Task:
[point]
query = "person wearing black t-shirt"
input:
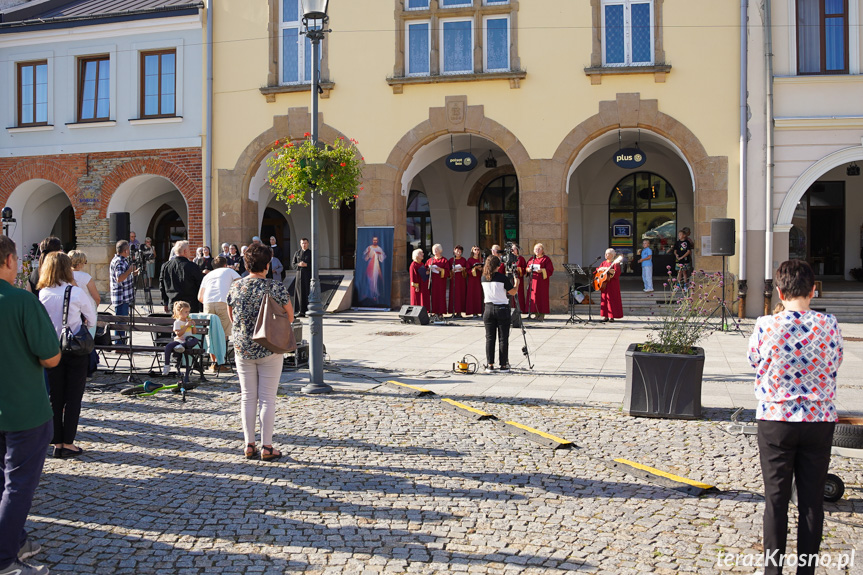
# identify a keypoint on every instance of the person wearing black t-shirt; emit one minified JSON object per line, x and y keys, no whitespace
{"x":683,"y":255}
{"x":496,"y":316}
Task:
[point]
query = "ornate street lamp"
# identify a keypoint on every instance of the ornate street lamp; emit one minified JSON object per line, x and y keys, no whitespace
{"x":314,"y":27}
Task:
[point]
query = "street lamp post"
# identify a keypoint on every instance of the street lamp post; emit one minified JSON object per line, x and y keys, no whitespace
{"x":314,"y":22}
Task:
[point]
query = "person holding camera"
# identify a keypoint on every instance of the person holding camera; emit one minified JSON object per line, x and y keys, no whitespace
{"x":121,"y":279}
{"x":496,"y":316}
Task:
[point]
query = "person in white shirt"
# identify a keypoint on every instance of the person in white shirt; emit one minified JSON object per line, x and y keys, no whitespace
{"x":66,"y":382}
{"x":84,"y":280}
{"x":214,"y":294}
{"x":496,"y":317}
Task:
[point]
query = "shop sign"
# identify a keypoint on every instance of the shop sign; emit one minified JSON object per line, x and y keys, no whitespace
{"x":461,"y":161}
{"x":629,"y":158}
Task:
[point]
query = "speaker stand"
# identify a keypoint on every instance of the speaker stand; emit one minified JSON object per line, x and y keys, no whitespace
{"x":725,"y":314}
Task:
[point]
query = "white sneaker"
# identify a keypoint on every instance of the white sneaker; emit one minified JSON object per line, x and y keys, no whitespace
{"x":166,"y":369}
{"x":489,"y":369}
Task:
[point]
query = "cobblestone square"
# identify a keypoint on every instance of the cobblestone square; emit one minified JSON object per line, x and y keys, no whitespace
{"x":378,"y":481}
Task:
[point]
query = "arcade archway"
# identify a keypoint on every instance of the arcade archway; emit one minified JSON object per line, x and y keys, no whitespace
{"x":41,"y":209}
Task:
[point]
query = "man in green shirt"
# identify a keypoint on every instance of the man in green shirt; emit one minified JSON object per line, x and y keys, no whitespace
{"x":30,"y":344}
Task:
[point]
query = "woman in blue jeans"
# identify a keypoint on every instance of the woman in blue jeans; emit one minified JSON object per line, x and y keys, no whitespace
{"x":496,"y":316}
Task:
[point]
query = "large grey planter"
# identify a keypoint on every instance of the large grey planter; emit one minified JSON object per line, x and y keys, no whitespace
{"x":663,"y":384}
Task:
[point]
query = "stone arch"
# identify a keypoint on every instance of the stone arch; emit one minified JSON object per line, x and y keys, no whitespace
{"x":239,"y":214}
{"x":39,"y":169}
{"x":629,"y":111}
{"x":383,"y":204}
{"x":810,"y":176}
{"x":187,"y":184}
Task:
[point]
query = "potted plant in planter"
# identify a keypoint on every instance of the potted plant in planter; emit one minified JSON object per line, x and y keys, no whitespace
{"x":297,"y":170}
{"x":663,"y":374}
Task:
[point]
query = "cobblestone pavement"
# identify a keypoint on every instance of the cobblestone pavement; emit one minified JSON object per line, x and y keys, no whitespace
{"x":375,"y":481}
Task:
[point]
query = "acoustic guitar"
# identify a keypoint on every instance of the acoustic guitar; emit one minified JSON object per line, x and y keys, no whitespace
{"x":603,"y":276}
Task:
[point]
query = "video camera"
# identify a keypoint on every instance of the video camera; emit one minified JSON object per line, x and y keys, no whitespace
{"x":509,"y":259}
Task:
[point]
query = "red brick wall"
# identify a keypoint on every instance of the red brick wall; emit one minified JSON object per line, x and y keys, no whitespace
{"x":91,"y":179}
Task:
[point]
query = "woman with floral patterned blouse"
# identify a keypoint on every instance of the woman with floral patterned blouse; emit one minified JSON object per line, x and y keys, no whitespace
{"x":259,"y":369}
{"x":796,"y":354}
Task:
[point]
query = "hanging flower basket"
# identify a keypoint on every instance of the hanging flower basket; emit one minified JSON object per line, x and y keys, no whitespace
{"x":333,"y":171}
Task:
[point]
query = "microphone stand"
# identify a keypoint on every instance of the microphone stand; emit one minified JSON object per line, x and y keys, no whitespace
{"x":590,"y":277}
{"x":529,"y":283}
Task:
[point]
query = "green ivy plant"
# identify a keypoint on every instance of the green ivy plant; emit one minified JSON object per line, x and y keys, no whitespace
{"x":296,"y":170}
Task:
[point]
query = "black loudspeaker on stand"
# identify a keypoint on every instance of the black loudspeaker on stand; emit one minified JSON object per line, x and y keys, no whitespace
{"x":414,"y":314}
{"x":722,"y":244}
{"x":119,"y":226}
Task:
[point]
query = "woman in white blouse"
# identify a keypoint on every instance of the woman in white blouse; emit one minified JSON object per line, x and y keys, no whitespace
{"x":66,"y":381}
{"x":84,"y":280}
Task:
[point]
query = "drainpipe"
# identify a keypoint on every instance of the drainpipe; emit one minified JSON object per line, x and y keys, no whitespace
{"x":744,"y":140}
{"x":768,"y":172}
{"x":208,"y":145}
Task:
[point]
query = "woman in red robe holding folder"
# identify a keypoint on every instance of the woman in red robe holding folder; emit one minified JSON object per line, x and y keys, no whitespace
{"x":458,"y":283}
{"x":521,"y":274}
{"x":439,"y":271}
{"x":474,"y":305}
{"x":419,"y":281}
{"x":542,"y":268}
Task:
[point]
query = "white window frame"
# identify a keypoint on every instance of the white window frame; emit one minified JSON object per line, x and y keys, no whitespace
{"x":408,"y":24}
{"x":461,"y":4}
{"x":301,"y":52}
{"x":627,"y":32}
{"x":407,"y":9}
{"x":442,"y":46}
{"x":485,"y":42}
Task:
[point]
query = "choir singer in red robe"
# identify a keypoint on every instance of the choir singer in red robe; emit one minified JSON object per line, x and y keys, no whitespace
{"x":611,"y":303}
{"x":419,"y":281}
{"x":457,"y":283}
{"x":474,"y":305}
{"x":520,"y":274}
{"x":439,"y":271}
{"x":541,"y":268}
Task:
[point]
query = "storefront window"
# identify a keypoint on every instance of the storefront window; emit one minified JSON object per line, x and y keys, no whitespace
{"x":498,"y":212}
{"x":643,"y":206}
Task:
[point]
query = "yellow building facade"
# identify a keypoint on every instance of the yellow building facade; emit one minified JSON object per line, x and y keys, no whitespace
{"x":543,"y":94}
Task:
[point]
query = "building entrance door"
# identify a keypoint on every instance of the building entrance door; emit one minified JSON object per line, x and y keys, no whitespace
{"x":818,"y":231}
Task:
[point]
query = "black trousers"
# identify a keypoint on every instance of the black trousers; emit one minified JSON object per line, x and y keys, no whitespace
{"x":66,"y":384}
{"x":799,"y":451}
{"x":302,"y":285}
{"x":497,"y":320}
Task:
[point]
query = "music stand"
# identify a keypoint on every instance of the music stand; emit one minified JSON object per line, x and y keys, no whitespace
{"x":574,"y":271}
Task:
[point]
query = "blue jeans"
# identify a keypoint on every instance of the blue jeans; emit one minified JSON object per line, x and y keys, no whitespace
{"x":22,"y":454}
{"x":121,"y":309}
{"x":647,"y":277}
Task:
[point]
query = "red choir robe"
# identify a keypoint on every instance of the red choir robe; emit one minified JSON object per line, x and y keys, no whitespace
{"x":610,"y":302}
{"x":473,"y":305}
{"x":458,"y":286}
{"x":419,"y":285}
{"x":540,"y":280}
{"x":521,"y":273}
{"x":438,"y":284}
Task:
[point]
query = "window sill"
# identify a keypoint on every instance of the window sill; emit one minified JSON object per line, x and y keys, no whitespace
{"x":515,"y":77}
{"x":168,"y":120}
{"x":25,"y":129}
{"x":271,"y":91}
{"x":658,"y":70}
{"x":102,"y":124}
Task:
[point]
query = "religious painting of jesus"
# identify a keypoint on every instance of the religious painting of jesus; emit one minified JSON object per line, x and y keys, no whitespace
{"x":373,"y":276}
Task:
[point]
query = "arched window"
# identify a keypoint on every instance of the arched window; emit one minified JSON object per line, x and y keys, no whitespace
{"x":498,"y":212}
{"x":643,"y":206}
{"x":419,"y":228}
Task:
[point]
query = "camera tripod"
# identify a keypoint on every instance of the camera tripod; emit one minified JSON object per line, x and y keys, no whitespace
{"x":510,"y":272}
{"x":139,"y":260}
